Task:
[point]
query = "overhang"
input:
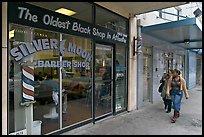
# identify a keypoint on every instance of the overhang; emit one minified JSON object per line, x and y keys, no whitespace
{"x":185,"y":33}
{"x":136,"y":8}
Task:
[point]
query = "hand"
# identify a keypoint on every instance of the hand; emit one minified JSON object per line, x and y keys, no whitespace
{"x":167,"y":94}
{"x":187,"y":97}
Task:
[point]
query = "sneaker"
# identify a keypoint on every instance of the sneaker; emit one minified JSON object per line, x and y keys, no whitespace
{"x":168,"y":111}
{"x":173,"y":120}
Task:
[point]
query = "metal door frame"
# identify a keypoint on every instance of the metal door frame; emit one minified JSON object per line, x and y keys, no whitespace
{"x":112,"y":46}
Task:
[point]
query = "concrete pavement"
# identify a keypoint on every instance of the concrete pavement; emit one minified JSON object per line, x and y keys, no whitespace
{"x":151,"y":120}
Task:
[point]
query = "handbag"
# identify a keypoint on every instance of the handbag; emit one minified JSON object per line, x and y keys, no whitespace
{"x":160,"y":88}
{"x":168,"y":97}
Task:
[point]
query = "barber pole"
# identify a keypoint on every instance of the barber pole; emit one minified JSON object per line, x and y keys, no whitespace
{"x":139,"y":37}
{"x":28,"y":85}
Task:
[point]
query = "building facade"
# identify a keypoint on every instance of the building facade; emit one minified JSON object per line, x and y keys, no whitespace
{"x":64,"y":70}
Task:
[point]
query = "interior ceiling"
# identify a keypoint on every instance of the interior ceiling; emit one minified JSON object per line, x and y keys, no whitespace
{"x":136,"y":8}
{"x":55,"y":5}
{"x":83,"y":10}
{"x":122,"y":8}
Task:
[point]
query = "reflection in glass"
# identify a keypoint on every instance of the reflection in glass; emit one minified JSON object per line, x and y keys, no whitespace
{"x":76,"y":81}
{"x":17,"y":114}
{"x":46,"y":109}
{"x":46,"y":82}
{"x":120,"y":89}
{"x":111,"y":21}
{"x":103,"y":79}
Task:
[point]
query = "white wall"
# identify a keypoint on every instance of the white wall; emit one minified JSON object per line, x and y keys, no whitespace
{"x":151,"y":18}
{"x":158,"y":48}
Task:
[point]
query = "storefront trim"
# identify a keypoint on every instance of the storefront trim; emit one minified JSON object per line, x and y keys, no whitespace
{"x":71,"y":127}
{"x":97,"y":5}
{"x":109,"y":42}
{"x":37,"y":17}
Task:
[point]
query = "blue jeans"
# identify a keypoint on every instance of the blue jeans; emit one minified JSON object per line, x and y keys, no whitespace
{"x":176,"y":96}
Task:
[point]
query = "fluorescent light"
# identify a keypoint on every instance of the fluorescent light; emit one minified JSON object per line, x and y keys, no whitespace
{"x":11,"y":34}
{"x":65,"y":11}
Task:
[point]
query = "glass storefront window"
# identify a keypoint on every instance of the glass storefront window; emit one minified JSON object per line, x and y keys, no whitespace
{"x":45,"y":80}
{"x":103,"y":79}
{"x":111,"y":21}
{"x":121,"y":72}
{"x":76,"y":80}
{"x":46,"y":108}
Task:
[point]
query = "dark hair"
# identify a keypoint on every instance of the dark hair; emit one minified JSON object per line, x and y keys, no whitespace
{"x":170,"y":70}
{"x":177,"y":71}
{"x":45,"y":74}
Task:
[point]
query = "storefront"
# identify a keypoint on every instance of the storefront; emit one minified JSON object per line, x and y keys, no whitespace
{"x":65,"y":70}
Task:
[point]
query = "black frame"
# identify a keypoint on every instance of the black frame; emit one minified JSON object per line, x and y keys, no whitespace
{"x":126,"y":95}
{"x":8,"y":66}
{"x":93,"y":90}
{"x":127,"y":53}
{"x":93,"y":120}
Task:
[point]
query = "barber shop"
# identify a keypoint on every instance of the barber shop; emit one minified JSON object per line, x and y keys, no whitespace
{"x":67,"y":66}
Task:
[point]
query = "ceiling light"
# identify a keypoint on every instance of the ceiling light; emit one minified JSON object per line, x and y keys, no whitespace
{"x":197,"y":12}
{"x":11,"y":34}
{"x":65,"y":11}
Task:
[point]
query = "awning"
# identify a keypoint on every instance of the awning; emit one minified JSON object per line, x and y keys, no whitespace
{"x":136,"y":8}
{"x":185,"y":33}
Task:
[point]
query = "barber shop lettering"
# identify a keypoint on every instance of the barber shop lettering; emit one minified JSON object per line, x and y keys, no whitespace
{"x":64,"y":64}
{"x":24,"y":49}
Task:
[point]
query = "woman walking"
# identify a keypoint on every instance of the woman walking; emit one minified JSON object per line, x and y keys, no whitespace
{"x":177,"y":85}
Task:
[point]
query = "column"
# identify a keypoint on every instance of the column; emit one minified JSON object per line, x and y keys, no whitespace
{"x":132,"y":75}
{"x":4,"y":68}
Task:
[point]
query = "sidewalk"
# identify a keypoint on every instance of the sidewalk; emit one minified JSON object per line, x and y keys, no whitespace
{"x":151,"y":120}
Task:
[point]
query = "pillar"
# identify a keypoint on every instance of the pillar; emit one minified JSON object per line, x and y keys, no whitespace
{"x":4,"y":68}
{"x":132,"y":75}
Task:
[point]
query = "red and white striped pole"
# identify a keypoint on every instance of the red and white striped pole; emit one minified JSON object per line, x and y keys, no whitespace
{"x":28,"y":85}
{"x":28,"y":96}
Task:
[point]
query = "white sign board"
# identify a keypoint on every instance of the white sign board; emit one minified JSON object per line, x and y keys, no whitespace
{"x":21,"y":132}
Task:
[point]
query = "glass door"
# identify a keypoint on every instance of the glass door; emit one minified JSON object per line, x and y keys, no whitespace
{"x":103,"y":80}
